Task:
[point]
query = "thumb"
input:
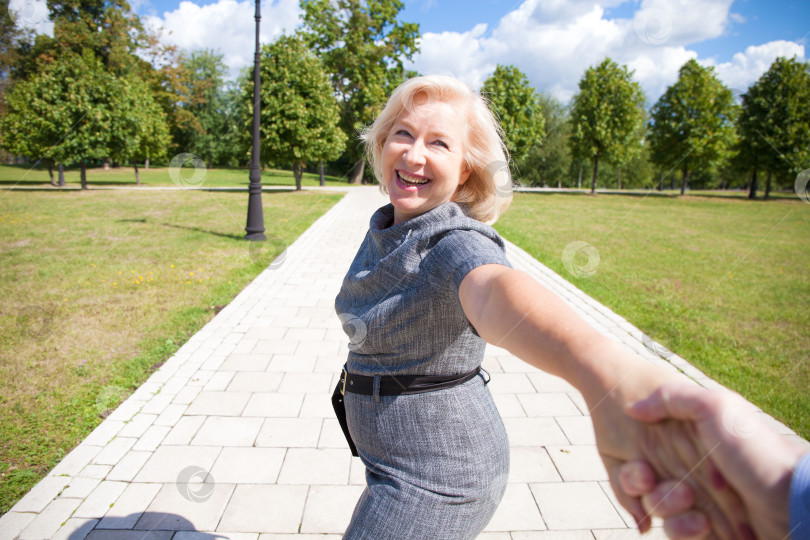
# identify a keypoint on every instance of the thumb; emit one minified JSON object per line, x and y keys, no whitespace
{"x":676,"y":400}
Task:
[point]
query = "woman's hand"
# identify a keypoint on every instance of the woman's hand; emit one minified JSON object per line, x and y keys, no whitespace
{"x":508,"y":308}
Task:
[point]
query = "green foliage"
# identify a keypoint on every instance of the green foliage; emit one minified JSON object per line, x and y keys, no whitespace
{"x":363,"y":46}
{"x":606,"y":116}
{"x":299,"y":114}
{"x":515,"y":102}
{"x":75,"y":110}
{"x":775,"y":121}
{"x":692,"y":124}
{"x":548,"y":162}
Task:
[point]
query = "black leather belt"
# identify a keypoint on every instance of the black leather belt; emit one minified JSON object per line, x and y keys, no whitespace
{"x":395,"y":385}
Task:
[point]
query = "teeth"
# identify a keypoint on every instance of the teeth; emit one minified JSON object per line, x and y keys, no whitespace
{"x":411,"y":180}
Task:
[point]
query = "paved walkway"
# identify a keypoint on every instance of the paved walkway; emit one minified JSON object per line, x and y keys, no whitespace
{"x":234,"y":436}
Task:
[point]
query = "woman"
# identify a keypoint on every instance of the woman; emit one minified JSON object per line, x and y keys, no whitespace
{"x":429,"y":285}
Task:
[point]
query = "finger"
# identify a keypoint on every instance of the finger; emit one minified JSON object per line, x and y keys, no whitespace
{"x":692,"y":525}
{"x":636,"y":478}
{"x":669,"y":498}
{"x":630,"y":503}
{"x":679,"y":400}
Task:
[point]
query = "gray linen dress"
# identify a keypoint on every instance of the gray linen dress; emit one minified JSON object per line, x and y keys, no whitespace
{"x":436,"y":463}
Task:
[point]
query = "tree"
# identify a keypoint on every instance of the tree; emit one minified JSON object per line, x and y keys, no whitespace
{"x":606,"y":115}
{"x":515,"y":102}
{"x":299,"y":113}
{"x":774,"y":124}
{"x":692,"y":124}
{"x":74,"y":110}
{"x":363,"y":47}
{"x":548,"y":162}
{"x":205,"y":100}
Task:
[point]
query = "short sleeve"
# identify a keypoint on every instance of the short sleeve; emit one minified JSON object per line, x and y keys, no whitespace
{"x":800,"y":500}
{"x":461,"y":251}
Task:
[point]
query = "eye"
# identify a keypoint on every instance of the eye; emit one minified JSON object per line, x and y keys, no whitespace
{"x":402,"y":132}
{"x":442,"y":144}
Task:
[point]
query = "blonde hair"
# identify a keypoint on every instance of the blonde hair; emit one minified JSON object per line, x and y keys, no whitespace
{"x":488,"y":190}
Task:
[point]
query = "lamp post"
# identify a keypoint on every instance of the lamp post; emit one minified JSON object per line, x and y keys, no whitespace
{"x":255,"y":217}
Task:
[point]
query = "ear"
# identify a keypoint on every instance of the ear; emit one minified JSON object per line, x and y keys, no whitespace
{"x":464,"y":176}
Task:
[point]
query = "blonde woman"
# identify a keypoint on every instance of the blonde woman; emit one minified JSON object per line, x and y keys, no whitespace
{"x":429,"y":286}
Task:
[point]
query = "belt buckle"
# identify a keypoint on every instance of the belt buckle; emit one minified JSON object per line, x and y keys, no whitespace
{"x":345,"y":377}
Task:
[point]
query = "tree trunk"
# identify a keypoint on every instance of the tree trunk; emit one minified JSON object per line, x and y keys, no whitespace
{"x":661,"y":181}
{"x":356,"y":175}
{"x":768,"y":185}
{"x":137,"y":176}
{"x":61,"y":175}
{"x":723,"y":184}
{"x":684,"y":179}
{"x":579,"y":180}
{"x":147,"y":164}
{"x":298,"y":172}
{"x":595,"y":168}
{"x":106,"y":164}
{"x":619,"y":177}
{"x":752,"y":189}
{"x":559,"y":183}
{"x":49,"y":163}
{"x":84,"y":176}
{"x":320,"y":164}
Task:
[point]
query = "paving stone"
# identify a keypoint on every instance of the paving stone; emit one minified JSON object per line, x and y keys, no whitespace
{"x":578,"y":463}
{"x":547,"y":404}
{"x":629,"y":534}
{"x":96,"y":471}
{"x":246,"y":362}
{"x":578,"y":429}
{"x":509,"y":406}
{"x":266,"y":404}
{"x":575,"y":505}
{"x":129,"y":507}
{"x":150,"y":440}
{"x":332,"y":435}
{"x":625,"y":515}
{"x":227,"y":431}
{"x":184,"y":507}
{"x":267,"y":347}
{"x":184,"y":431}
{"x":73,"y":529}
{"x":76,"y":460}
{"x":531,"y":464}
{"x":517,"y":511}
{"x":291,"y":363}
{"x":193,"y":535}
{"x":128,"y":466}
{"x":315,"y":466}
{"x":47,"y":522}
{"x":98,"y":502}
{"x":264,"y":508}
{"x":290,"y":432}
{"x":80,"y":487}
{"x":248,"y":465}
{"x":510,"y":383}
{"x":138,"y":425}
{"x":114,"y":451}
{"x":306,"y":383}
{"x":129,"y":535}
{"x":186,"y":395}
{"x":329,"y":508}
{"x":218,"y":403}
{"x":252,"y":381}
{"x":533,"y":432}
{"x":12,"y":523}
{"x":552,"y":535}
{"x":219,"y":381}
{"x":167,"y":463}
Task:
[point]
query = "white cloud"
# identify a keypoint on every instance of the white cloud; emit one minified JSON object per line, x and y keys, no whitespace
{"x":746,"y":67}
{"x":226,"y":26}
{"x":31,"y":14}
{"x":555,"y":41}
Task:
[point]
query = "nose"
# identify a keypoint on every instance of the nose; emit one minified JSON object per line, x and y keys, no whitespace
{"x":415,"y":154}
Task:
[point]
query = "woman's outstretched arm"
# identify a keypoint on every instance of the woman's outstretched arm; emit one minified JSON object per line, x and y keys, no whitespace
{"x":510,"y":309}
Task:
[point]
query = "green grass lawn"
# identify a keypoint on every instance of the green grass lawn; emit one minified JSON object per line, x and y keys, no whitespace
{"x":721,"y":282}
{"x":99,"y":288}
{"x":27,"y":176}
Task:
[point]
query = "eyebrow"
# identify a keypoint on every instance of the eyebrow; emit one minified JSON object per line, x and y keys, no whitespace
{"x":431,"y":133}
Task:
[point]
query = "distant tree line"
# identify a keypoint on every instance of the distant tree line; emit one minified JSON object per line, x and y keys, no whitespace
{"x":84,"y":97}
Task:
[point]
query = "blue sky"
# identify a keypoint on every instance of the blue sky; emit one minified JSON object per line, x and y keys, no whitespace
{"x":552,"y":41}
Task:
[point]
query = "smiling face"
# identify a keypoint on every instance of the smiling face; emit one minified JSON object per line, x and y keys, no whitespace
{"x":423,"y":158}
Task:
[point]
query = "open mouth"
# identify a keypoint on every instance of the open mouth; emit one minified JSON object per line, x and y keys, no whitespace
{"x":411,"y":181}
